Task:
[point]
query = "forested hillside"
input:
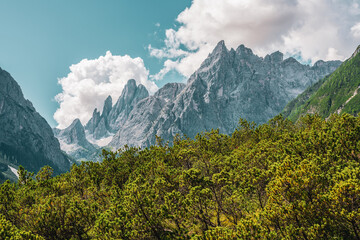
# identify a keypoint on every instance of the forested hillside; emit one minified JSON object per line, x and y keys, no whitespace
{"x":274,"y":181}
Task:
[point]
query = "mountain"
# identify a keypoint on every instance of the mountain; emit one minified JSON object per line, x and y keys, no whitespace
{"x":337,"y":93}
{"x":25,"y":137}
{"x":140,"y":127}
{"x":98,"y":124}
{"x":112,"y":118}
{"x":129,"y":97}
{"x":229,"y":84}
{"x":85,"y":142}
{"x":73,"y":141}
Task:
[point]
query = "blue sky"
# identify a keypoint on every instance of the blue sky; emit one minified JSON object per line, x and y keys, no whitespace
{"x":40,"y":39}
{"x":69,"y":55}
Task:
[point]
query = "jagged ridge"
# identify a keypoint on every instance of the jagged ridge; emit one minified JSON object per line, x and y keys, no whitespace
{"x":229,"y":84}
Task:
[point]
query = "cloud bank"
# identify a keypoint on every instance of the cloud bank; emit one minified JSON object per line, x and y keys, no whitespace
{"x":90,"y":82}
{"x":312,"y":29}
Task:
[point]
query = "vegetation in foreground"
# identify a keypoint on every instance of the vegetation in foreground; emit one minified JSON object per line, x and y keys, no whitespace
{"x":276,"y":181}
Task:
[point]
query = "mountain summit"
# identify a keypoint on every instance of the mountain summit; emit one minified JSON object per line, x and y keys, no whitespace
{"x":73,"y":140}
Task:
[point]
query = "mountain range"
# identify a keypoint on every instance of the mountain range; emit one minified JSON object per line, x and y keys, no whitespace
{"x":229,"y":85}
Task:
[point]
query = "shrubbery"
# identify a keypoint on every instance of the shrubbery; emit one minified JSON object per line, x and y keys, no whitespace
{"x":276,"y":181}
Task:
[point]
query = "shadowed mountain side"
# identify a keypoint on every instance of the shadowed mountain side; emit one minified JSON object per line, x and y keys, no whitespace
{"x":25,"y":136}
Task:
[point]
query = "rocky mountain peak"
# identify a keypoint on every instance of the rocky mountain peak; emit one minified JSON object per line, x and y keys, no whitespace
{"x":228,"y":85}
{"x":275,"y":57}
{"x":73,"y":140}
{"x":130,"y":95}
{"x":129,"y":90}
{"x":93,"y":122}
{"x":11,"y":88}
{"x":337,"y":93}
{"x":96,"y":112}
{"x":107,"y":107}
{"x":76,"y":124}
{"x":319,"y":63}
{"x":113,"y":116}
{"x":73,"y":133}
{"x":219,"y":51}
{"x":219,"y":58}
{"x":244,"y":51}
{"x":220,"y":47}
{"x":141,"y":92}
{"x":326,"y":67}
{"x":131,"y":83}
{"x":291,"y":61}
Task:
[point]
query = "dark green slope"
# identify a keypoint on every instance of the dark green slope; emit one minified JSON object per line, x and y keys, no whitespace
{"x":336,"y":93}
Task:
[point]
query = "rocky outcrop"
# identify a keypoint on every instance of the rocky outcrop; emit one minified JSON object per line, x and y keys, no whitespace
{"x":83,"y":143}
{"x":73,"y":141}
{"x":25,"y":136}
{"x":356,"y":52}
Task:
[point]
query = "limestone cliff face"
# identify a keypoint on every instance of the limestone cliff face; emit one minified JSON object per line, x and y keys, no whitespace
{"x":24,"y":134}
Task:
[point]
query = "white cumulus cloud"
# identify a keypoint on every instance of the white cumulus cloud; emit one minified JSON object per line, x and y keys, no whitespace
{"x":90,"y":82}
{"x":315,"y":29}
{"x":355,"y":30}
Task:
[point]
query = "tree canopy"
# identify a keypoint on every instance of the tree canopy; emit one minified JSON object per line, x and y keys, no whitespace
{"x":280,"y":180}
